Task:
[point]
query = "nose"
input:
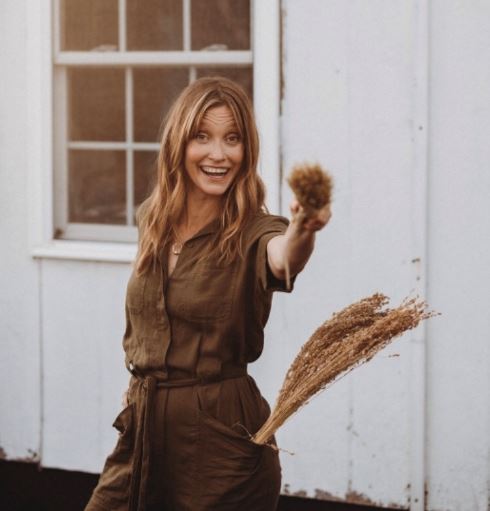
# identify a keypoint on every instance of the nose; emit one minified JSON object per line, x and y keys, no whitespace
{"x":216,"y":151}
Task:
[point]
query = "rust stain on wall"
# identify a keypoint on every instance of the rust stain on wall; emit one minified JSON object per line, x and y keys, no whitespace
{"x":32,"y":457}
{"x":326,"y":495}
{"x":353,"y":497}
{"x":300,"y":493}
{"x":358,"y":498}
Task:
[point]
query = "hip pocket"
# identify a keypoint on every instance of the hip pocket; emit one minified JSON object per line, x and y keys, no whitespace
{"x":114,"y":481}
{"x":234,"y":473}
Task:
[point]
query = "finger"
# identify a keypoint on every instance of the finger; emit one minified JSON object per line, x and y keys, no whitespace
{"x":294,"y":206}
{"x":323,"y":215}
{"x":316,"y":223}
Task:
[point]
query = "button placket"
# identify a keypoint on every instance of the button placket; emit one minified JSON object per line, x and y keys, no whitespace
{"x":162,"y":309}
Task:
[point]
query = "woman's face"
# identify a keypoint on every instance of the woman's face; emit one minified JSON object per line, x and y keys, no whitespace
{"x":214,"y":156}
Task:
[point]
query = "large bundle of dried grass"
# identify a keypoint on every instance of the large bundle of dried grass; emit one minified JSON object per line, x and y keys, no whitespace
{"x":349,"y":338}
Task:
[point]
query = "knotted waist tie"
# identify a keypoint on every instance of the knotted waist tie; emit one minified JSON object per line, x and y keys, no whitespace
{"x":145,"y":410}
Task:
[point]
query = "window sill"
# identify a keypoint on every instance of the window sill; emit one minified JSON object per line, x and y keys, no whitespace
{"x":86,"y":251}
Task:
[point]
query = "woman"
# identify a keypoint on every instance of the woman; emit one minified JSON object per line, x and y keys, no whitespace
{"x":197,"y":302}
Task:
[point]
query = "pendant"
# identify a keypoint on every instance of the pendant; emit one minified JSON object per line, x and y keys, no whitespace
{"x":176,"y":248}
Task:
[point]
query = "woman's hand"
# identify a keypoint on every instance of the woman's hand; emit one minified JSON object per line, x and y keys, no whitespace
{"x":315,"y":222}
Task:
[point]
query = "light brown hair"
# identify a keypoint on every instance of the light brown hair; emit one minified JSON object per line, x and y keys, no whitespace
{"x":162,"y":210}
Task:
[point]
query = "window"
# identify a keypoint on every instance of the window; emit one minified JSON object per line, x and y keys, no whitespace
{"x":118,"y":65}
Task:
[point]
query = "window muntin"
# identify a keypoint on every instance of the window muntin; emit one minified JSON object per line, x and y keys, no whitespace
{"x":115,"y":77}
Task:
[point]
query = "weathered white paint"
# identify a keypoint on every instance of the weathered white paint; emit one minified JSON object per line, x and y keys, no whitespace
{"x":350,"y":103}
{"x":266,"y":52}
{"x":19,"y":297}
{"x":352,"y":114}
{"x":419,"y":214}
{"x":458,"y":434}
{"x":83,"y":365}
{"x":355,"y":112}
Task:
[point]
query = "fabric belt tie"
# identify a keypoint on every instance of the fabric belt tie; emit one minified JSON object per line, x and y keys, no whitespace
{"x":145,"y":410}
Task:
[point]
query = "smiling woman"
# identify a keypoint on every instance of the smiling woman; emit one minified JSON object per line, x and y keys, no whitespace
{"x":209,"y":259}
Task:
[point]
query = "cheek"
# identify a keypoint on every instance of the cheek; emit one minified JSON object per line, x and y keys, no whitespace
{"x":192,"y":156}
{"x":238,"y":155}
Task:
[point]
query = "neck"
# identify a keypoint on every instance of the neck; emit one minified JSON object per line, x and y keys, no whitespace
{"x":198,"y":212}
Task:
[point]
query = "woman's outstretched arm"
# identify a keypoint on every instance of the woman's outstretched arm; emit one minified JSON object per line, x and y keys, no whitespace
{"x":296,"y":244}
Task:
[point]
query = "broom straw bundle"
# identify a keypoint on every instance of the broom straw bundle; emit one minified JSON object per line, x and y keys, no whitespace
{"x":351,"y":337}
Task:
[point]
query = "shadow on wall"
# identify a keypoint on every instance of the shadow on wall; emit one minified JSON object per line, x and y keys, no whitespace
{"x":25,"y":487}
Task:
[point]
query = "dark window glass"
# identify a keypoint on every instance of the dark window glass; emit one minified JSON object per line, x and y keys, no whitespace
{"x":97,"y":187}
{"x":154,"y":92}
{"x":96,"y":98}
{"x":220,"y":24}
{"x":154,"y":25}
{"x":89,"y":25}
{"x":241,"y":75}
{"x":145,"y":164}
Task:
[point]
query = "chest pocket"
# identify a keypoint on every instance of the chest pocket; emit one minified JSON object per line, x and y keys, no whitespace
{"x":206,"y":294}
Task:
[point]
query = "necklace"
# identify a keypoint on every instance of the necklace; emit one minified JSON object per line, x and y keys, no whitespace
{"x":177,"y":245}
{"x":176,"y":248}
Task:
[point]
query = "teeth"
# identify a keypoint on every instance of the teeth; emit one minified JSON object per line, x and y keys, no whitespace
{"x":215,"y":170}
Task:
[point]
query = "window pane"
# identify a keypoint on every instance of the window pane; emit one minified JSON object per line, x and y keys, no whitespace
{"x":220,"y":22}
{"x":144,"y":175}
{"x":97,"y":187}
{"x":241,"y":75}
{"x":96,"y":104}
{"x":154,"y":25}
{"x":154,"y":91}
{"x":89,"y":25}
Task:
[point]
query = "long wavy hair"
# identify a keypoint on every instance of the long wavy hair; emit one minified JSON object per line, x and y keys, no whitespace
{"x":160,"y":213}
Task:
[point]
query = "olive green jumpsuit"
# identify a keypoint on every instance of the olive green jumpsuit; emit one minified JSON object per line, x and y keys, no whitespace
{"x":184,"y":438}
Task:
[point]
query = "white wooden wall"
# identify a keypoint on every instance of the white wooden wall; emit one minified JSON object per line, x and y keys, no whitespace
{"x":393,"y":97}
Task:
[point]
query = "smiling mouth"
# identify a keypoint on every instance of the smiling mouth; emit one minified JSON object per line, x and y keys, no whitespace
{"x":214,"y":171}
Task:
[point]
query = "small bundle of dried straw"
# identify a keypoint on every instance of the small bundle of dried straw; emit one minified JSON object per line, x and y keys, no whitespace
{"x":349,"y":338}
{"x":312,"y":187}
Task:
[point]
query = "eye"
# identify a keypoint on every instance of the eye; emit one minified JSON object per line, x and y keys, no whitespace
{"x":201,"y":136}
{"x":233,"y":138}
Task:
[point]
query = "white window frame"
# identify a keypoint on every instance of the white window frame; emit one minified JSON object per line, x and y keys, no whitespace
{"x":42,"y":53}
